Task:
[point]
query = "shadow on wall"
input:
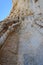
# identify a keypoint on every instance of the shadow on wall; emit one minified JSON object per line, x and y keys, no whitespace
{"x":5,"y":7}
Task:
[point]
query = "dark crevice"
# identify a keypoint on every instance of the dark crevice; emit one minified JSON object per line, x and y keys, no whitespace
{"x":36,"y":1}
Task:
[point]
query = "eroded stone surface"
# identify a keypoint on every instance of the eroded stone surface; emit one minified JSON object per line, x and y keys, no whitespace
{"x":24,"y":44}
{"x":8,"y":53}
{"x":30,"y":43}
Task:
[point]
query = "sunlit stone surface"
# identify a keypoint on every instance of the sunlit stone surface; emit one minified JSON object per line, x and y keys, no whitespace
{"x":24,"y":44}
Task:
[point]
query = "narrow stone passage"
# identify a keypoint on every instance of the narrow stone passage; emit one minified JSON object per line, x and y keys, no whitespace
{"x":24,"y":46}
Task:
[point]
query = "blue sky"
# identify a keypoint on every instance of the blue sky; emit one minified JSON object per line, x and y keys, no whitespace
{"x":5,"y":7}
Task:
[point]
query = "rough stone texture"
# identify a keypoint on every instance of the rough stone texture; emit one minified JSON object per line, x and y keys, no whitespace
{"x":24,"y":44}
{"x":8,"y":52}
{"x":30,"y":43}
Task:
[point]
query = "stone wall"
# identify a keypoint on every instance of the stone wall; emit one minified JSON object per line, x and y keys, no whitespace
{"x":16,"y":30}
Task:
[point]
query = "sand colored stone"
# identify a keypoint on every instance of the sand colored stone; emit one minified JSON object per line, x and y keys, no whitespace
{"x":23,"y":35}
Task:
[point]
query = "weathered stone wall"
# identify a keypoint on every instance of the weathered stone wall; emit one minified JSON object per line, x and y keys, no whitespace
{"x":20,"y":8}
{"x":21,"y":29}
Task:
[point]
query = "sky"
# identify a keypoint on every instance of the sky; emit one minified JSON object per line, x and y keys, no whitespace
{"x":5,"y":7}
